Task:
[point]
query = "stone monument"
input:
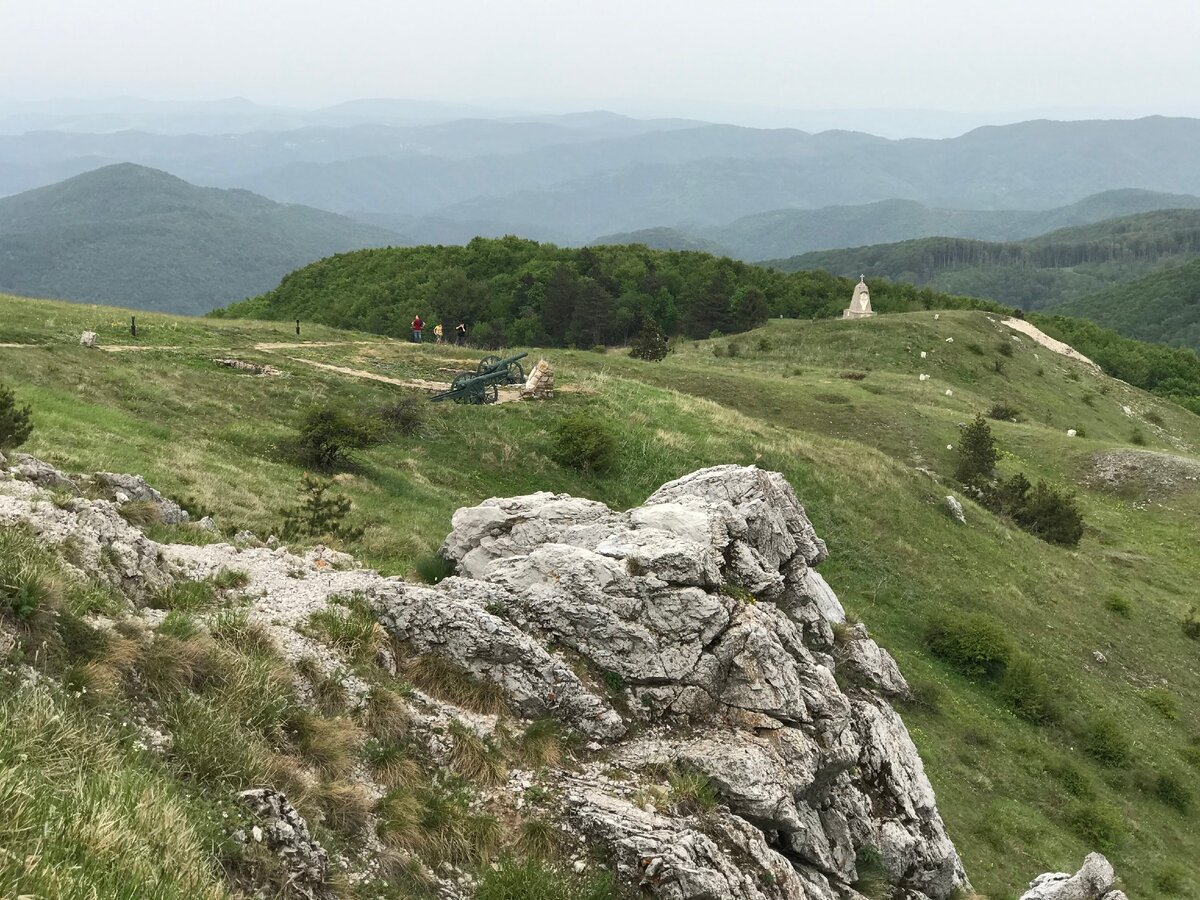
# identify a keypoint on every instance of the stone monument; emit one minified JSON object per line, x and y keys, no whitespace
{"x":860,"y":306}
{"x":540,"y":384}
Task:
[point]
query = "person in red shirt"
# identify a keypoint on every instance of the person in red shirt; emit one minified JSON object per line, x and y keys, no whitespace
{"x":417,"y":324}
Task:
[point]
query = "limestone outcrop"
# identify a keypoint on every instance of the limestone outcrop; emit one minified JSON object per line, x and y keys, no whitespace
{"x":690,"y":640}
{"x":698,"y":612}
{"x":1095,"y":880}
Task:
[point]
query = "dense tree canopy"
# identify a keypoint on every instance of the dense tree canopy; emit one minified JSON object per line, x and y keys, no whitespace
{"x":511,"y":291}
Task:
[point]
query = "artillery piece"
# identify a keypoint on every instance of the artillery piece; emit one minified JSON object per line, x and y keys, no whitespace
{"x":483,"y":385}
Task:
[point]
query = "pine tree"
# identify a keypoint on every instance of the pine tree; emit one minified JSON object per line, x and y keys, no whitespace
{"x":650,"y":344}
{"x":15,"y":424}
{"x":977,"y":454}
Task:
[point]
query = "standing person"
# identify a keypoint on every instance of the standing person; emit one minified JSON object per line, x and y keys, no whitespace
{"x":417,"y":324}
{"x":437,"y":333}
{"x":460,"y":334}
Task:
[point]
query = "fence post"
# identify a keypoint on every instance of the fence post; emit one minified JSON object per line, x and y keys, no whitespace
{"x":133,"y":326}
{"x":297,"y":326}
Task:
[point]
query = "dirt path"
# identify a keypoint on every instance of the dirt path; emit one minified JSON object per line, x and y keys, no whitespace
{"x":15,"y":346}
{"x":300,"y":345}
{"x":1032,"y":331}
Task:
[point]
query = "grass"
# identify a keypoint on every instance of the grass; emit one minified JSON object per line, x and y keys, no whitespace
{"x":450,"y":682}
{"x":855,"y":450}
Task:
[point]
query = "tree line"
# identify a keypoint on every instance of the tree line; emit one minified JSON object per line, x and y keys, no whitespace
{"x":511,"y":291}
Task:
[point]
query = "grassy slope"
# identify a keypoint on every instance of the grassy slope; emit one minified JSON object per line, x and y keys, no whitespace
{"x":851,"y":448}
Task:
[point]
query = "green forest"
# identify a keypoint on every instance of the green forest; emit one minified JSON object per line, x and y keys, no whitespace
{"x":511,"y":291}
{"x":1035,"y":273}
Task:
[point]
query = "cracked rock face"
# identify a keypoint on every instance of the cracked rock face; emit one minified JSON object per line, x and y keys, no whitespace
{"x":698,"y":610}
{"x":1094,"y":881}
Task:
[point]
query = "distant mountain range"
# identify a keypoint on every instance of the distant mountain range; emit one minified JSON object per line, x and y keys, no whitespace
{"x":572,"y":178}
{"x":138,"y":237}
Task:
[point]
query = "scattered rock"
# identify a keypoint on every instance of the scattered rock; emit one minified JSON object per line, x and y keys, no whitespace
{"x":260,"y":370}
{"x":924,"y":377}
{"x":1099,"y":657}
{"x":540,"y":383}
{"x":87,"y":339}
{"x":133,"y":488}
{"x":956,"y":509}
{"x":287,"y":834}
{"x":1143,"y":474}
{"x":207,"y":524}
{"x":1071,"y":432}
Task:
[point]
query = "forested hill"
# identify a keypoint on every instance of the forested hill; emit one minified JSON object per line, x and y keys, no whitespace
{"x":151,"y":241}
{"x":1035,"y":273}
{"x":511,"y":291}
{"x":1162,"y":307}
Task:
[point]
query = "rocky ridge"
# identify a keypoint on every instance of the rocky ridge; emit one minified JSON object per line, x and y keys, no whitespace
{"x":689,"y":635}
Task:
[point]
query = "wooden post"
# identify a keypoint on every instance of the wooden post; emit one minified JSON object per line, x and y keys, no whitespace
{"x":133,"y":326}
{"x":297,"y":326}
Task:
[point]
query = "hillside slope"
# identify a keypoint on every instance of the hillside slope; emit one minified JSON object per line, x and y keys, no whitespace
{"x":1162,"y":307}
{"x":841,"y":410}
{"x":158,"y":243}
{"x":1033,"y":273}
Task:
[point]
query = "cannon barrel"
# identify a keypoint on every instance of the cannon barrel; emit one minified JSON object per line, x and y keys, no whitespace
{"x":480,"y":386}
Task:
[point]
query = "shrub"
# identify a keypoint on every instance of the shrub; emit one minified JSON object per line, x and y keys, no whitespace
{"x":873,"y":880}
{"x":1170,"y":790}
{"x":317,"y":513}
{"x":15,"y":421}
{"x":1170,"y":880}
{"x":1005,"y":348}
{"x":1119,"y":605}
{"x":1051,"y":515}
{"x":734,"y":349}
{"x":974,"y":644}
{"x":1137,"y":437}
{"x":599,"y":348}
{"x":1003,"y":411}
{"x":1154,"y":417}
{"x":1162,"y":701}
{"x":1106,"y":742}
{"x":718,"y":350}
{"x":998,"y":366}
{"x":1098,"y":824}
{"x":328,"y":436}
{"x":405,"y":415}
{"x":1191,"y":624}
{"x":433,"y":568}
{"x":650,"y":343}
{"x":691,"y":793}
{"x":975,"y":348}
{"x":583,"y":441}
{"x":977,"y":454}
{"x":1028,"y":692}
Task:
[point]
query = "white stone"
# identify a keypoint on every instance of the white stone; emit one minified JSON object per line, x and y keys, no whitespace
{"x":956,"y":509}
{"x":924,"y":377}
{"x":87,"y":339}
{"x":949,"y":340}
{"x":949,"y":393}
{"x":1071,"y":432}
{"x":923,"y":354}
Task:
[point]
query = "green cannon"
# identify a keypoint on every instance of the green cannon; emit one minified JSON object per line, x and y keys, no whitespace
{"x":483,"y":385}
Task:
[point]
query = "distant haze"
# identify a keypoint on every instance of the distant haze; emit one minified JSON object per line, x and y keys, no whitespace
{"x":931,"y":67}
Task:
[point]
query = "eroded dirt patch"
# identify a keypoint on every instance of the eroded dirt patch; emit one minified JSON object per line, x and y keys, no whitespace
{"x":1143,"y":474}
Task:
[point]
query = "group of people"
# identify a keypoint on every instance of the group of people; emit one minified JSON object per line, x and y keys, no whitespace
{"x":418,"y":326}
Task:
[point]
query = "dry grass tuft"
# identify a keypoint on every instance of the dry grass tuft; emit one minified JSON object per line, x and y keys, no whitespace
{"x":450,"y":682}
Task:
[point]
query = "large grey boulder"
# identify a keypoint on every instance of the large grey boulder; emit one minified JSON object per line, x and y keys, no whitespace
{"x":701,"y":609}
{"x":1093,"y":881}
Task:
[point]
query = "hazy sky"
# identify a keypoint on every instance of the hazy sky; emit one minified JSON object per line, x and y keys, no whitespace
{"x":646,"y":55}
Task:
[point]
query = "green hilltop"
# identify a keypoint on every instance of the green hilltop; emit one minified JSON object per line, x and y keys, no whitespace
{"x":839,"y":407}
{"x":150,"y":240}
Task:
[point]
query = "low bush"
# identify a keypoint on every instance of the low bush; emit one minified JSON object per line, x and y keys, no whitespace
{"x":328,"y":436}
{"x":1191,"y":624}
{"x":433,"y":568}
{"x":1003,"y":411}
{"x":1028,"y":692}
{"x":1119,"y":605}
{"x":1099,"y":825}
{"x":1051,"y":515}
{"x":582,"y":441}
{"x":1005,"y":348}
{"x":1106,"y":742}
{"x":403,"y":416}
{"x":15,"y":421}
{"x":691,"y":793}
{"x":1171,"y":791}
{"x":873,"y":880}
{"x":1137,"y":437}
{"x":974,"y":644}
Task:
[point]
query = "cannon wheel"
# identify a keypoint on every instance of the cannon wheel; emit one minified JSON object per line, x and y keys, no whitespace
{"x":459,"y":390}
{"x":486,"y":364}
{"x":516,"y":374}
{"x":491,"y":393}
